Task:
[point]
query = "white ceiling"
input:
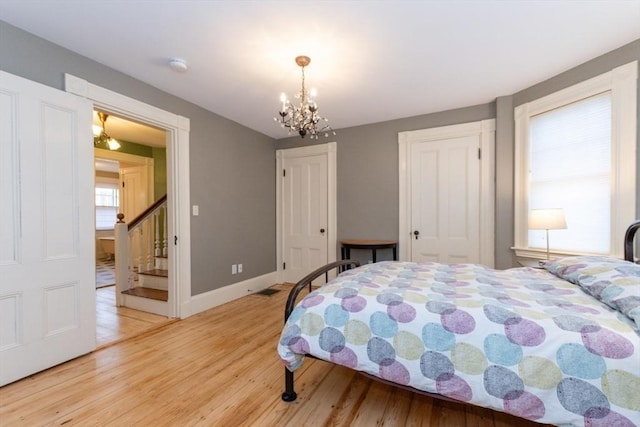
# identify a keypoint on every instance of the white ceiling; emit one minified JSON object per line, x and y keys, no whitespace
{"x":371,"y":61}
{"x":126,"y":130}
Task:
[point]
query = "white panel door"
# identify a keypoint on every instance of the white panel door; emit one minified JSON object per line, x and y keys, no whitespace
{"x":47,"y":249}
{"x":134,"y":199}
{"x":134,"y":193}
{"x":445,"y":200}
{"x":304,"y":216}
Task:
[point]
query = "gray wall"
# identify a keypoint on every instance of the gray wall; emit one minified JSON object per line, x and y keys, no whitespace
{"x":232,"y":167}
{"x":368,"y":158}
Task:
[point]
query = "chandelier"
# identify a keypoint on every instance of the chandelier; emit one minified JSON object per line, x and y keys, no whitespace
{"x":100,"y":134}
{"x":303,"y":118}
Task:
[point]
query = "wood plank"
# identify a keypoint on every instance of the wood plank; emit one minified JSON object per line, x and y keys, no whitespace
{"x":378,"y":397}
{"x":220,"y":367}
{"x":115,"y":324}
{"x":420,"y":411}
{"x":151,"y":293}
{"x":477,"y":416}
{"x":327,"y":391}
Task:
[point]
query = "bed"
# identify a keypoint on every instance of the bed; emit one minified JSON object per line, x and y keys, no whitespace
{"x":558,"y":344}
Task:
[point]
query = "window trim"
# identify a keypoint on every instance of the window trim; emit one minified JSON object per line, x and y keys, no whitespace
{"x":622,"y":82}
{"x":104,"y":180}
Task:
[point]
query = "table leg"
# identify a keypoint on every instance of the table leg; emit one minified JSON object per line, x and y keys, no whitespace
{"x":374,"y":254}
{"x":395,"y":254}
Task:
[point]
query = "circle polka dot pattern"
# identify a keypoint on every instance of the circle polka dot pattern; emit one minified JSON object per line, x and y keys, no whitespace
{"x":476,"y":335}
{"x":357,"y":332}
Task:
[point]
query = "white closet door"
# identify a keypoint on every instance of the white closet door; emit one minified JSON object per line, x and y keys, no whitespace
{"x":305,"y":215}
{"x":445,"y":200}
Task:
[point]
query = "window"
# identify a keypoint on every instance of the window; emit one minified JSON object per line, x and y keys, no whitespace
{"x":576,"y":150}
{"x":107,"y":203}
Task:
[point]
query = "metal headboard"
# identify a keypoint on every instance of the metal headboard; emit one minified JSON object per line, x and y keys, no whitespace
{"x":628,"y":241}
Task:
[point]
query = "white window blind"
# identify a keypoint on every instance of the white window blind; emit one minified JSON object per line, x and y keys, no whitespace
{"x":570,"y":168}
{"x":107,"y":203}
{"x":576,"y":149}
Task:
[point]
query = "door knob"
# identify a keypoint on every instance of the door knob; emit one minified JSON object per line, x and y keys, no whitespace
{"x":322,"y":231}
{"x":416,"y":233}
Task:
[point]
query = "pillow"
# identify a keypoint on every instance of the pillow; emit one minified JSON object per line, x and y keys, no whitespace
{"x":613,"y":281}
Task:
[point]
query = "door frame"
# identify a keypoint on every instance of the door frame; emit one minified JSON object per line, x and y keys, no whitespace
{"x":329,"y":150}
{"x":485,"y":129}
{"x":178,"y":208}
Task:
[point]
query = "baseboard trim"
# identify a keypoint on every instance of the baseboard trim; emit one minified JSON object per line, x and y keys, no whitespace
{"x":201,"y":302}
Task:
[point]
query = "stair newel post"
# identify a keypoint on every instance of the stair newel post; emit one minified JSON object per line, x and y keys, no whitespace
{"x":121,"y":258}
{"x":165,"y":249}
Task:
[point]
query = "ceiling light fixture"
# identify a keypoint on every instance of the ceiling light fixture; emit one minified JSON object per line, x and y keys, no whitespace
{"x":303,"y":118}
{"x":101,"y":136}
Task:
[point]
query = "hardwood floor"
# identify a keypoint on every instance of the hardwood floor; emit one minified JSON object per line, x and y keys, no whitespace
{"x":220,"y":368}
{"x":115,"y":324}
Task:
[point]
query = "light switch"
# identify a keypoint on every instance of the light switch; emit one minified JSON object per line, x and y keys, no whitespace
{"x":196,"y":210}
{"x":239,"y":268}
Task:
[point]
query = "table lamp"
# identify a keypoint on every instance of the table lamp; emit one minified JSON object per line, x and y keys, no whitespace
{"x":547,"y":219}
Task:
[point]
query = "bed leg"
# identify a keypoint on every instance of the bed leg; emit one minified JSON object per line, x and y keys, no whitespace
{"x":289,"y":395}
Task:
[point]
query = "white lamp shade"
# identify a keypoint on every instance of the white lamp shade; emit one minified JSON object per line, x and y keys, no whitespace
{"x":547,"y":219}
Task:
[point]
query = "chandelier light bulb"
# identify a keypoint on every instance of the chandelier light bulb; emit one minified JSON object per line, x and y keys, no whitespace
{"x":101,"y":137}
{"x":113,"y":144}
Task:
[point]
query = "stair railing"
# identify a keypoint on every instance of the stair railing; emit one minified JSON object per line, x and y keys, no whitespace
{"x":139,"y":244}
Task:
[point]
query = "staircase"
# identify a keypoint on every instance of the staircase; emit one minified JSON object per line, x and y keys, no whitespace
{"x":142,"y":271}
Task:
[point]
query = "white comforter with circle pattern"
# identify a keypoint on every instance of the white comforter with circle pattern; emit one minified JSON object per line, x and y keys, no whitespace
{"x":522,"y":341}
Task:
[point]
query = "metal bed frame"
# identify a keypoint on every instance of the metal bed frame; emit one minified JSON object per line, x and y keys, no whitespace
{"x":290,"y":395}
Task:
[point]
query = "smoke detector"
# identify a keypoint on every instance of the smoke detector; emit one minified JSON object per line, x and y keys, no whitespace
{"x":178,"y":65}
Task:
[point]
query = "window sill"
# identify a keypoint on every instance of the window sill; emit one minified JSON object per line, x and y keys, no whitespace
{"x":529,"y":255}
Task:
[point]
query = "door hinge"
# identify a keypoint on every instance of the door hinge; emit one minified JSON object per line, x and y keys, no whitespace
{"x":284,"y":172}
{"x":122,"y":184}
{"x":175,"y":240}
{"x":284,"y":265}
{"x":479,"y":153}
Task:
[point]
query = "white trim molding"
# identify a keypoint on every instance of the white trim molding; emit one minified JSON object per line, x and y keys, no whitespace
{"x":179,"y":219}
{"x":205,"y":301}
{"x":621,"y":82}
{"x":486,"y":130}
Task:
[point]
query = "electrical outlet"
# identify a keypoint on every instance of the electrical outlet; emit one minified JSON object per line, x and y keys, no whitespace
{"x":234,"y":269}
{"x":239,"y":268}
